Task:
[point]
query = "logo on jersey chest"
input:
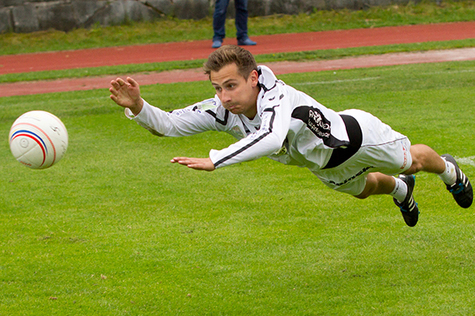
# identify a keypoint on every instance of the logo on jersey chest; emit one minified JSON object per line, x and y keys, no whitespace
{"x":315,"y":121}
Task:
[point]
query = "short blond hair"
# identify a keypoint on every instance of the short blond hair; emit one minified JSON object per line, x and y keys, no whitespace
{"x":231,"y":54}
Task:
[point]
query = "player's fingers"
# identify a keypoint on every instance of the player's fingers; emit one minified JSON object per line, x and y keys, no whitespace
{"x":185,"y":161}
{"x":114,"y":84}
{"x":132,"y":82}
{"x":117,"y":83}
{"x":113,"y":90}
{"x":180,"y":160}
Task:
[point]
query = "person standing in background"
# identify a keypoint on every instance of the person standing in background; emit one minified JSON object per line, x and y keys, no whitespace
{"x":219,"y":19}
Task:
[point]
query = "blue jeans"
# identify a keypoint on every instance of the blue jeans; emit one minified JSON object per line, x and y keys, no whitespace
{"x":219,"y":19}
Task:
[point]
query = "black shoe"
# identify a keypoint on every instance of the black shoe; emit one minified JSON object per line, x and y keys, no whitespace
{"x":409,"y":209}
{"x":462,"y":189}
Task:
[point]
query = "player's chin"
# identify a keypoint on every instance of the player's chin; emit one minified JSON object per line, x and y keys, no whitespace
{"x":235,"y":110}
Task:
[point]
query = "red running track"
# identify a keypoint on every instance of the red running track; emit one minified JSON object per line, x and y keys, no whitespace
{"x":267,"y":44}
{"x":88,"y":83}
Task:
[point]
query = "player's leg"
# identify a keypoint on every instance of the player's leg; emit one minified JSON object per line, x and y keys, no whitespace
{"x":399,"y":188}
{"x":426,"y":159}
{"x":377,"y":183}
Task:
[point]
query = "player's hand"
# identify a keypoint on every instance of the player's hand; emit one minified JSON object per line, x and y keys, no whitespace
{"x":126,"y":94}
{"x":195,"y":163}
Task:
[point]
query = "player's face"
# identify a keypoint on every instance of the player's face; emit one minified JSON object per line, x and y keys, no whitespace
{"x":237,"y":94}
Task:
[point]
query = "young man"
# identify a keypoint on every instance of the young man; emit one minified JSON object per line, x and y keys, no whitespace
{"x":350,"y":151}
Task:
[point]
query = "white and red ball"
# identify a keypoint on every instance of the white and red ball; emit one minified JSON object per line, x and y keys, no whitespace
{"x":38,"y":139}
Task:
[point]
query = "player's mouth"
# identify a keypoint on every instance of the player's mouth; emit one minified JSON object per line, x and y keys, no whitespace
{"x":232,"y":107}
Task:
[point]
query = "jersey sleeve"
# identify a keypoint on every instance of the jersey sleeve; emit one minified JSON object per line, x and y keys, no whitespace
{"x":194,"y":119}
{"x":274,"y":110}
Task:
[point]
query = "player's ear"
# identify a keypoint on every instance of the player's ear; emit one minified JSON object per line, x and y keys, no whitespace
{"x":254,"y":77}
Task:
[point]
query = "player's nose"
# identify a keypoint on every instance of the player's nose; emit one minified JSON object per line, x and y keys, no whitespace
{"x":225,"y":97}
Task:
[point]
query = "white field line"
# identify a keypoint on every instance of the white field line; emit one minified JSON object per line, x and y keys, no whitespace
{"x":376,"y":78}
{"x":334,"y":81}
{"x":448,"y":72}
{"x":466,"y":161}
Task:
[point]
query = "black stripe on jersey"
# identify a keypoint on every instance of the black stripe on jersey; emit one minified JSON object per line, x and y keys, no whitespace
{"x":222,"y":122}
{"x":245,"y":128}
{"x":340,"y":155}
{"x":257,"y":140}
{"x":263,"y":87}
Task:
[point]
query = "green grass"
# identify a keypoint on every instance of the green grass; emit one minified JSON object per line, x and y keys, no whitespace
{"x":115,"y":229}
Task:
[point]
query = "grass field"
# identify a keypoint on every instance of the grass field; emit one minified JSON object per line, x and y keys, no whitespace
{"x":115,"y":229}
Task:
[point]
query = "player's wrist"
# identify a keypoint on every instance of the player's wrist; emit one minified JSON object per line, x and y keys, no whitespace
{"x":137,"y":107}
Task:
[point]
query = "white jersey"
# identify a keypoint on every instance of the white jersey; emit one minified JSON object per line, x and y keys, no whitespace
{"x":289,"y":127}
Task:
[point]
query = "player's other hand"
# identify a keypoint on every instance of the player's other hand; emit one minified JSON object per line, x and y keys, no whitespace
{"x":126,"y":94}
{"x":195,"y":163}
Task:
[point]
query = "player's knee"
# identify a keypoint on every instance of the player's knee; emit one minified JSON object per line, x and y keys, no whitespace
{"x":363,"y":195}
{"x":369,"y":188}
{"x":415,"y":167}
{"x":422,"y":159}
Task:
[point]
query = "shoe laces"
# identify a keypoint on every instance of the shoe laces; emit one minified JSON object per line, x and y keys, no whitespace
{"x":457,"y":188}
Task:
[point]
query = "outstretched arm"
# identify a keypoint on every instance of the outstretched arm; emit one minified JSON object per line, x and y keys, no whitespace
{"x":195,"y":163}
{"x":126,"y":94}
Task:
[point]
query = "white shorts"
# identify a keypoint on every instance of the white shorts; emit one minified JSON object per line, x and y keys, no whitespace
{"x":382,"y":150}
